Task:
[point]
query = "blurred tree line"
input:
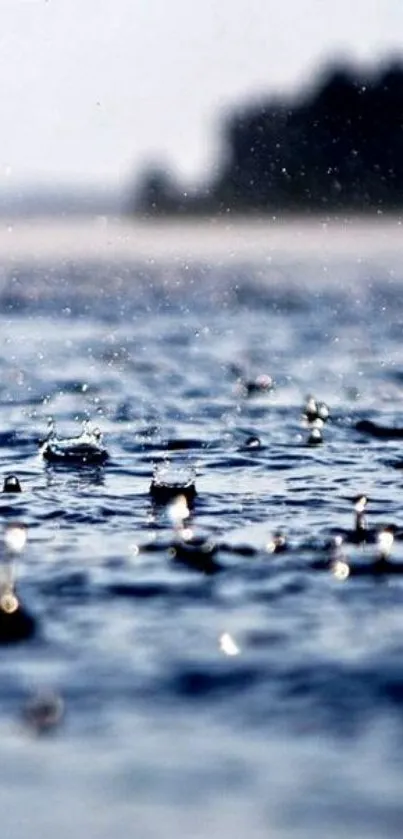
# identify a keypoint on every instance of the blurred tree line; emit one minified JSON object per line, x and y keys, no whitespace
{"x":337,"y":147}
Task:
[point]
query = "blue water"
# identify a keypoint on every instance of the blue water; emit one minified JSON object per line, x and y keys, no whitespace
{"x":163,"y":734}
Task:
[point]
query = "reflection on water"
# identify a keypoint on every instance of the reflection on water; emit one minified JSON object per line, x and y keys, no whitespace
{"x":16,"y":624}
{"x":230,"y":657}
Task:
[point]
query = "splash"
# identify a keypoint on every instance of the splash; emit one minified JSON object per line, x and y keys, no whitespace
{"x":86,"y":449}
{"x":169,"y":482}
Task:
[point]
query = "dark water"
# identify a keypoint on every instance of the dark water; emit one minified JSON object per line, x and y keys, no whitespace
{"x":300,"y":733}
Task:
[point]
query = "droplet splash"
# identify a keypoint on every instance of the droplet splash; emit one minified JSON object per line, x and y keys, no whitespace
{"x":86,"y":449}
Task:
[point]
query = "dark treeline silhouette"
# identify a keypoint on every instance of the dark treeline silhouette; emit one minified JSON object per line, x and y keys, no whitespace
{"x":337,"y":147}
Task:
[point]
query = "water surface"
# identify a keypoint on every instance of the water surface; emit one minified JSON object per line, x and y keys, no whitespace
{"x":164,"y":733}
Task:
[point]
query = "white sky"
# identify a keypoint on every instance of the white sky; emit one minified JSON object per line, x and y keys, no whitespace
{"x":92,"y":89}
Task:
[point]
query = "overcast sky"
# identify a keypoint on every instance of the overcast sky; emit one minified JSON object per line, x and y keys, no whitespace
{"x":92,"y":89}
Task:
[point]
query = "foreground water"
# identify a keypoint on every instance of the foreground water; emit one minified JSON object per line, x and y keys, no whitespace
{"x":265,"y":699}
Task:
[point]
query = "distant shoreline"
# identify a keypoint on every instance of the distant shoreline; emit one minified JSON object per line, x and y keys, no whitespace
{"x":229,"y":238}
